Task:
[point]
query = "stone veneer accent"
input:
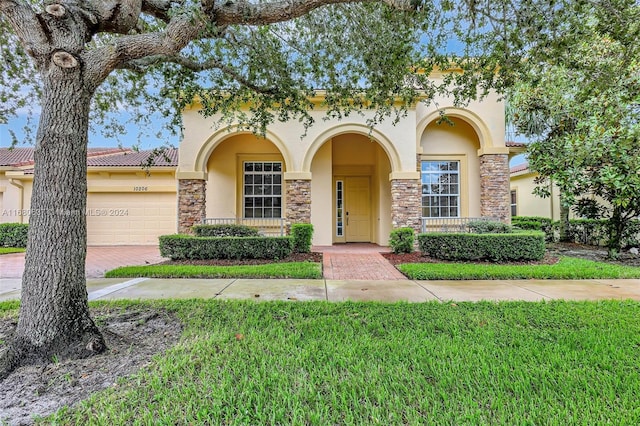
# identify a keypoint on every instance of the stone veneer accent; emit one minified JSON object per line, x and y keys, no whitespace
{"x":406,"y":203}
{"x":298,"y":202}
{"x":191,"y":203}
{"x":494,"y":187}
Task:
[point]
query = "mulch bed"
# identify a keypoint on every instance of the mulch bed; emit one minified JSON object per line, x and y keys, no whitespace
{"x":294,"y":257}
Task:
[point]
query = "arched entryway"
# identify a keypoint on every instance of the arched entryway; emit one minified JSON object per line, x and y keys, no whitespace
{"x":351,"y":192}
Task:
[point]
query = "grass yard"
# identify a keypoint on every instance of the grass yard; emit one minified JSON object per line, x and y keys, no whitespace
{"x":317,"y":363}
{"x":9,"y":250}
{"x":302,"y":270}
{"x":566,"y":268}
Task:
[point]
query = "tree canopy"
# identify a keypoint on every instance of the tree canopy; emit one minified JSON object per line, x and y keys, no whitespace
{"x":581,"y":108}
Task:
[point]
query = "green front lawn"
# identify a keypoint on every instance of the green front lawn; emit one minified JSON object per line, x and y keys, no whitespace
{"x":302,"y":270}
{"x":566,"y":268}
{"x":321,"y":363}
{"x":9,"y":250}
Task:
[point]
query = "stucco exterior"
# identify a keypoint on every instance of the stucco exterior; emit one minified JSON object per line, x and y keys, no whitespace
{"x":344,"y":154}
{"x":527,"y":204}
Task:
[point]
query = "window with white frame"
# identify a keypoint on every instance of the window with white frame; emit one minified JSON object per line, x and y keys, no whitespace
{"x":514,"y":203}
{"x":262,"y":189}
{"x":440,"y":188}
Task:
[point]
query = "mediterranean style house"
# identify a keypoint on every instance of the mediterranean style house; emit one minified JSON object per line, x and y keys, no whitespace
{"x":353,"y":183}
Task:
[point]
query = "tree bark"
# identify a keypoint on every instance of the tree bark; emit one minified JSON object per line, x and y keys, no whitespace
{"x":564,"y":220}
{"x":54,"y":315}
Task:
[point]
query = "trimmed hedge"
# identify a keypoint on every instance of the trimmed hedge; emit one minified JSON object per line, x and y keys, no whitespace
{"x":401,"y":240}
{"x":488,"y":227}
{"x":225,"y":230}
{"x":526,"y":245}
{"x":13,"y":234}
{"x":180,"y":247}
{"x":301,"y":234}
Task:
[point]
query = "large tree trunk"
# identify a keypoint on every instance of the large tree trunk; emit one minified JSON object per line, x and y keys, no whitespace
{"x":54,"y":316}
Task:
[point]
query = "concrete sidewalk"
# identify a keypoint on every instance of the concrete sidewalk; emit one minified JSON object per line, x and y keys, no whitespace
{"x":354,"y":290}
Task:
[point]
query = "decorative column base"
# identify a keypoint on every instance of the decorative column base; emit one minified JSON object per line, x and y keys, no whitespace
{"x":191,"y":203}
{"x":298,"y":202}
{"x":406,"y":204}
{"x":494,"y":187}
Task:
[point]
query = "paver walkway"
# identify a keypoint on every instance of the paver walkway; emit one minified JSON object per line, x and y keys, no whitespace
{"x":357,"y":261}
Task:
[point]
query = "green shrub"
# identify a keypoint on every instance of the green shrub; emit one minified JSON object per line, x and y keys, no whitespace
{"x":13,"y":234}
{"x":401,"y":240}
{"x":179,"y":247}
{"x":225,"y":230}
{"x":588,"y":231}
{"x":525,"y":245}
{"x":536,"y":223}
{"x":488,"y":227}
{"x":301,"y":234}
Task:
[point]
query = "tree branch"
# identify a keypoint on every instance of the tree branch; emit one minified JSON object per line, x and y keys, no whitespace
{"x":185,"y":28}
{"x":27,"y":26}
{"x":139,"y":65}
{"x":245,"y":13}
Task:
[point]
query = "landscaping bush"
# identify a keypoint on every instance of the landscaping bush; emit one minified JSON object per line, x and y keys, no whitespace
{"x":592,"y":232}
{"x":180,"y":247}
{"x":488,"y":227}
{"x":536,"y":223}
{"x":525,"y":245}
{"x":224,"y":230}
{"x":301,"y":234}
{"x":13,"y":234}
{"x":401,"y":240}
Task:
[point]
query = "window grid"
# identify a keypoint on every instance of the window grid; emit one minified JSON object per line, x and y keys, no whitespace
{"x":262,"y":189}
{"x":440,"y":188}
{"x":339,"y":208}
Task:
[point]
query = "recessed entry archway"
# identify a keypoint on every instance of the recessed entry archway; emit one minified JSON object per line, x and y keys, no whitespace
{"x":350,"y":191}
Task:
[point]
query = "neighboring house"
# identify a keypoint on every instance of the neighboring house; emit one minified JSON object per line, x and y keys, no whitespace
{"x":352,"y":183}
{"x":524,"y":202}
{"x":125,"y":204}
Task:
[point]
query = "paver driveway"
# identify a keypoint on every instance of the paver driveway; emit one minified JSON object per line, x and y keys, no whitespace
{"x":99,"y":260}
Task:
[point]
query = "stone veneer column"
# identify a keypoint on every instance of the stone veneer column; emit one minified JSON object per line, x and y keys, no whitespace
{"x":298,"y":202}
{"x":494,"y":187}
{"x":406,"y":203}
{"x":191,"y":203}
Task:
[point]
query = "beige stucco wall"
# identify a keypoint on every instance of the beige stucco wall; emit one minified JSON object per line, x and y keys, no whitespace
{"x":528,"y":204}
{"x":322,"y":208}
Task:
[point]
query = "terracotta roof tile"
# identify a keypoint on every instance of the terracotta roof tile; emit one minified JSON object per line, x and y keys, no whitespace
{"x":96,"y":157}
{"x":167,"y":158}
{"x":512,"y":144}
{"x":15,"y":156}
{"x":519,"y":168}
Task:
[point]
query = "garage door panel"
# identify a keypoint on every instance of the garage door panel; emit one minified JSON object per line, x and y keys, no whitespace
{"x":130,"y":218}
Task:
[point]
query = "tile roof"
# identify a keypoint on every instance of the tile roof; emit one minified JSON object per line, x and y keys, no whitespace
{"x":519,"y":168}
{"x":15,"y":156}
{"x":512,"y":144}
{"x":96,"y":157}
{"x":166,"y":158}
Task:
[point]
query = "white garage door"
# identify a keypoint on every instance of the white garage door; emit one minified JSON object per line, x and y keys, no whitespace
{"x":130,"y":218}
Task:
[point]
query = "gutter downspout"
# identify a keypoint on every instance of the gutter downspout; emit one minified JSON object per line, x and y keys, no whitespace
{"x":17,"y":184}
